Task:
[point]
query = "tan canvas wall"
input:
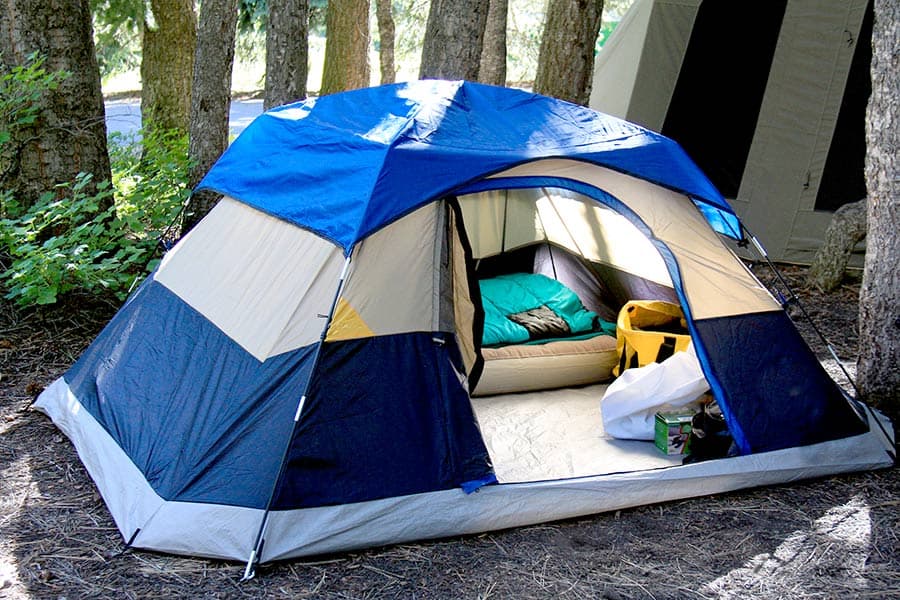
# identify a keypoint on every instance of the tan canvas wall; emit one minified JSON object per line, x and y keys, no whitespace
{"x":618,"y":61}
{"x":668,"y":33}
{"x":636,"y":73}
{"x":796,"y":123}
{"x":390,"y":284}
{"x":239,"y":268}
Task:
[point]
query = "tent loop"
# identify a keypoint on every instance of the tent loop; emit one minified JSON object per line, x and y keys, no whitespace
{"x":256,"y":553}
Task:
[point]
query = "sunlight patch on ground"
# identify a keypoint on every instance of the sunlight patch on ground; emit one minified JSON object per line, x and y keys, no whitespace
{"x":12,"y":500}
{"x":836,"y":547}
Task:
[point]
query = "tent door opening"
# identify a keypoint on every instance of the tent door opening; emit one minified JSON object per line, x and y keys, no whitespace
{"x":537,"y":401}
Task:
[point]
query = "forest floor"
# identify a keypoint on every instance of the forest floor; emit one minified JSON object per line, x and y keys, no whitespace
{"x":836,"y":537}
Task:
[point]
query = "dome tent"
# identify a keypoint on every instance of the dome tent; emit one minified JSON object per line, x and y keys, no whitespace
{"x":295,"y":376}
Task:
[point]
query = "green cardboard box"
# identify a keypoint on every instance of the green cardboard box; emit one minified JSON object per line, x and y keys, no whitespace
{"x":673,"y":432}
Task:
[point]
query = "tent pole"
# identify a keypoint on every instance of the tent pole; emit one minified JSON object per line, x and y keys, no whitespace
{"x":505,"y":218}
{"x":255,"y":554}
{"x":796,"y":300}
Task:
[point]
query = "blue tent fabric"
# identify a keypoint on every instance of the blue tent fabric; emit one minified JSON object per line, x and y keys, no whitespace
{"x":386,"y":416}
{"x":195,"y":412}
{"x":779,"y":393}
{"x":345,"y":165}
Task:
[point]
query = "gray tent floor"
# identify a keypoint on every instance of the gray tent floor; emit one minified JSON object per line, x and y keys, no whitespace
{"x":557,"y":434}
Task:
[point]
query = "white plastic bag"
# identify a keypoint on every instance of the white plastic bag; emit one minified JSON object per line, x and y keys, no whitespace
{"x":630,"y":404}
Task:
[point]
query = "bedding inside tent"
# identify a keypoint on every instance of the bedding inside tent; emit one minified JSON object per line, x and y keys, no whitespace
{"x":538,"y":399}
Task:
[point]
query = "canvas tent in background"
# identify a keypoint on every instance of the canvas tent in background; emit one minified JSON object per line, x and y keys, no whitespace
{"x":768,"y":98}
{"x":296,"y":377}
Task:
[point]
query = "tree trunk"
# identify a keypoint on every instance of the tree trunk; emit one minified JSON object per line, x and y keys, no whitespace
{"x":454,"y":35}
{"x":210,"y":99}
{"x":167,"y":65}
{"x":69,"y":135}
{"x":493,"y":55}
{"x":566,"y":59}
{"x":287,"y":52}
{"x":386,"y":40}
{"x":346,"y":46}
{"x":847,"y":228}
{"x":878,"y":367}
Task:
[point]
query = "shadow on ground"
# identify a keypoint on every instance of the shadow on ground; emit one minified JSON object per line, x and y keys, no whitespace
{"x":831,"y":538}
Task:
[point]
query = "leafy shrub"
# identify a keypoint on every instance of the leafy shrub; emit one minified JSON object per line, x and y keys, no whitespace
{"x":65,"y":243}
{"x":22,"y":90}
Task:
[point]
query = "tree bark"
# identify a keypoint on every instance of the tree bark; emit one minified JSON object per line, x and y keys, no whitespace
{"x":847,"y":228}
{"x":454,"y":35}
{"x":566,"y":60}
{"x":878,"y":366}
{"x":287,"y":52}
{"x":493,"y":56}
{"x":210,"y":99}
{"x":346,"y":46}
{"x":69,"y":135}
{"x":167,"y":65}
{"x":386,"y":40}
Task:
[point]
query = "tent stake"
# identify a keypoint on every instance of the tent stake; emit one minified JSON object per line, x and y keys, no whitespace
{"x":256,"y":553}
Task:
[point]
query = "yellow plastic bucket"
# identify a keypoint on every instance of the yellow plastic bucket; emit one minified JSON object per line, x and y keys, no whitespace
{"x":649,"y":331}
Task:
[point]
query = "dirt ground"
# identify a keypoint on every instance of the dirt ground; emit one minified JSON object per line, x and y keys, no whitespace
{"x":836,"y":537}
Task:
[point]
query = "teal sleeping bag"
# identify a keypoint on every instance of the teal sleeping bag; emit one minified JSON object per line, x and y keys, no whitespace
{"x":512,"y":295}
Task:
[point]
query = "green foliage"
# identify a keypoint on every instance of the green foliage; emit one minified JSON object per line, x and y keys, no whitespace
{"x":252,"y":15}
{"x":117,"y":34}
{"x":22,"y":90}
{"x":66,"y":243}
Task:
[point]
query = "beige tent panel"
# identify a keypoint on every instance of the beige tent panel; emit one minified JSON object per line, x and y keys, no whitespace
{"x":668,"y":33}
{"x":626,"y":44}
{"x":390,"y":294}
{"x":796,"y":123}
{"x":498,"y":221}
{"x":486,"y":230}
{"x":566,"y":219}
{"x":715,"y":280}
{"x":254,"y":288}
{"x":600,"y":234}
{"x":636,"y":71}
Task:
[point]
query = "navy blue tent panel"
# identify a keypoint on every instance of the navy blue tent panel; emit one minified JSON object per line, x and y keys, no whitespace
{"x":385,"y":416}
{"x":776,"y":392}
{"x":202,"y":419}
{"x":345,"y":165}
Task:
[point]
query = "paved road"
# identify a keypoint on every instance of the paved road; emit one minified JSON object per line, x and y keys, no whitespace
{"x":125,"y":115}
